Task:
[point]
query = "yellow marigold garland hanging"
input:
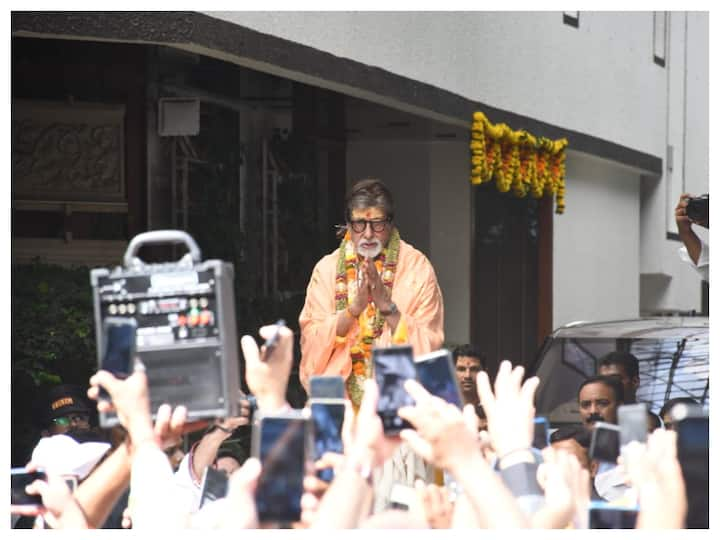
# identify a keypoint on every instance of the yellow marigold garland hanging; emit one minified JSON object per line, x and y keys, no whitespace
{"x":517,"y":161}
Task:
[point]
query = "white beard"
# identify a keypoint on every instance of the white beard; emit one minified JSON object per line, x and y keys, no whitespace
{"x":370,"y":252}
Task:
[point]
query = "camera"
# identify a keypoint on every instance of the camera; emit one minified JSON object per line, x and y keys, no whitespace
{"x":698,"y":209}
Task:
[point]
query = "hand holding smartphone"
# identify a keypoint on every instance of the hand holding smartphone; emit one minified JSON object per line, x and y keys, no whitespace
{"x":20,"y":478}
{"x":119,"y":346}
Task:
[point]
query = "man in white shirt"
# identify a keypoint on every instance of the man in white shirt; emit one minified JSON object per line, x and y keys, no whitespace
{"x":695,"y":252}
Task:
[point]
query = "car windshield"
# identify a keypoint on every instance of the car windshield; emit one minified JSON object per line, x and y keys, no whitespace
{"x":669,"y":368}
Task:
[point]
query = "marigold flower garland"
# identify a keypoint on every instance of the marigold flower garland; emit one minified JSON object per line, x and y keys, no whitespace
{"x":517,"y":160}
{"x":371,"y":321}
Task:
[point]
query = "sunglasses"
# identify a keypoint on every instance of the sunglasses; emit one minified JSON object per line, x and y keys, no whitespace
{"x":359,"y":225}
{"x":65,"y":421}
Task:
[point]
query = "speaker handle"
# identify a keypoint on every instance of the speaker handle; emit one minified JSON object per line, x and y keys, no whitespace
{"x":165,"y":236}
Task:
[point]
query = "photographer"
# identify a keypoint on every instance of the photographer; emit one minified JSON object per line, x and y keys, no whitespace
{"x":695,"y":252}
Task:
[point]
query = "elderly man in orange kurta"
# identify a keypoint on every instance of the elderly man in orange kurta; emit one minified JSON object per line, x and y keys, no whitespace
{"x":374,"y":290}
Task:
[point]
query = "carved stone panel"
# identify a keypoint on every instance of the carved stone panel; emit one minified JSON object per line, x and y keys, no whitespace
{"x":67,"y":151}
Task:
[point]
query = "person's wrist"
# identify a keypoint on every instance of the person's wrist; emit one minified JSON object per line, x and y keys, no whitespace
{"x":218,"y":432}
{"x":462,"y":462}
{"x":272,"y":403}
{"x":521,"y":454}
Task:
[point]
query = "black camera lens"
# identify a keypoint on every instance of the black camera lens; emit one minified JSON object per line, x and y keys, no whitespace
{"x":698,"y":209}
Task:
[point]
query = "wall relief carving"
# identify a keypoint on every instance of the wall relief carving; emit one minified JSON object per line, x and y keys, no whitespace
{"x":67,"y":151}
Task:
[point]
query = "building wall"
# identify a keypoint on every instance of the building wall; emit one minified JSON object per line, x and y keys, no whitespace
{"x":596,"y":243}
{"x":598,"y":79}
{"x":526,"y":62}
{"x":666,"y":283}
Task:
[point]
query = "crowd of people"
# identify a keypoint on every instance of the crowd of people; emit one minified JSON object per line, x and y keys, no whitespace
{"x":475,"y":467}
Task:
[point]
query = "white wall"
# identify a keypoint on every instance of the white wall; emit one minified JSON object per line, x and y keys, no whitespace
{"x":596,"y":243}
{"x":430,"y":184}
{"x":450,"y":239}
{"x":666,"y":283}
{"x":597,"y":79}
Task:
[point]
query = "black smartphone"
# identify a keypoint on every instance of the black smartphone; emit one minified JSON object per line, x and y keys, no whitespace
{"x":327,"y":420}
{"x":393,"y":366}
{"x":436,"y":372}
{"x":214,"y":485}
{"x":281,"y":443}
{"x":541,"y":432}
{"x":119,"y":335}
{"x":327,"y":386}
{"x":604,"y":515}
{"x":633,"y":422}
{"x":20,"y":478}
{"x":693,"y":453}
{"x":605,"y":442}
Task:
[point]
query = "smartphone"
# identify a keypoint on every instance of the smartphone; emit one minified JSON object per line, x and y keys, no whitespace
{"x":605,"y":515}
{"x":541,"y":432}
{"x":20,"y":478}
{"x":692,"y":427}
{"x":119,"y":335}
{"x":327,"y":386}
{"x":605,"y":442}
{"x":633,"y":422}
{"x":436,"y":372}
{"x":281,"y":443}
{"x":393,"y":366}
{"x":214,"y":485}
{"x":327,"y":421}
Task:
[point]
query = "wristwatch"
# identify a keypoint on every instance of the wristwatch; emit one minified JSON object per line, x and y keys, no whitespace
{"x":392,"y":310}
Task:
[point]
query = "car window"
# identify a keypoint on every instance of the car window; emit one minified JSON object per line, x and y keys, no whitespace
{"x":668,"y":367}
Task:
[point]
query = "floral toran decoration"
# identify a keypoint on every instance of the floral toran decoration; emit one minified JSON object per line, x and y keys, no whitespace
{"x":371,"y":321}
{"x":518,"y":161}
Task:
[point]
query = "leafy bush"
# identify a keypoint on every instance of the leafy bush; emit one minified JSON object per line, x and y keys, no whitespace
{"x":52,"y":341}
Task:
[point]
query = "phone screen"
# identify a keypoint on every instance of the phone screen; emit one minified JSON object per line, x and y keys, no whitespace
{"x":119,"y":348}
{"x":393,"y":366}
{"x":19,"y":479}
{"x":633,"y":422}
{"x":281,"y":449}
{"x":119,"y":345}
{"x":327,"y":427}
{"x":541,"y":435}
{"x":605,"y":443}
{"x":605,"y":517}
{"x":327,"y":387}
{"x":214,"y":485}
{"x":436,"y":373}
{"x":693,"y":456}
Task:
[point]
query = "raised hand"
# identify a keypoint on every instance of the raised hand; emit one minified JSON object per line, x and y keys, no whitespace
{"x":509,"y":409}
{"x":267,"y":372}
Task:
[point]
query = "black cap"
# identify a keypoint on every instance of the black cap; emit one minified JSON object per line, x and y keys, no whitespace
{"x":65,"y":399}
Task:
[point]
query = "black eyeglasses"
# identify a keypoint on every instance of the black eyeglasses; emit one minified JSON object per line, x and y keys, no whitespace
{"x":359,"y":225}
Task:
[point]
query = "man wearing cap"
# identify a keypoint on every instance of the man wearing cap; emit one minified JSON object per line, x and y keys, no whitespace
{"x":67,"y":410}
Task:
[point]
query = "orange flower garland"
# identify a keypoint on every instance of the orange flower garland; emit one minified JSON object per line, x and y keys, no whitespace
{"x":517,"y":160}
{"x":371,"y":322}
